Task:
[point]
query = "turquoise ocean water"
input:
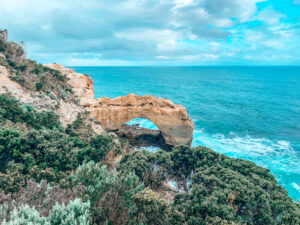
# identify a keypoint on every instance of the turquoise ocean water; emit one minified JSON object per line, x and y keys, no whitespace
{"x":251,"y":113}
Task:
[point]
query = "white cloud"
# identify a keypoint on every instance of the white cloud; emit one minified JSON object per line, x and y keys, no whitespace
{"x":270,"y":17}
{"x":169,"y":45}
{"x":273,"y":43}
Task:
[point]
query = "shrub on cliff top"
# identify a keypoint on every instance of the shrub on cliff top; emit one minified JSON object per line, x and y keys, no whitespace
{"x":40,"y":196}
{"x":151,"y":168}
{"x":75,"y":213}
{"x":39,"y":86}
{"x":110,"y":193}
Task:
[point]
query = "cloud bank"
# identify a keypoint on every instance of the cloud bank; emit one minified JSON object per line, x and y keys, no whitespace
{"x":155,"y":32}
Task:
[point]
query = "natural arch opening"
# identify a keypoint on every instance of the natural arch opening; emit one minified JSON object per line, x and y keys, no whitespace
{"x":142,"y":122}
{"x":142,"y":133}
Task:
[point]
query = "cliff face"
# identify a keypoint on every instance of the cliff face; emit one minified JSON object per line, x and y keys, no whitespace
{"x":172,"y":120}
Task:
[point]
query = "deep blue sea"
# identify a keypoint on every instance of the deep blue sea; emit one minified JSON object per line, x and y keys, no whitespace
{"x":251,"y":113}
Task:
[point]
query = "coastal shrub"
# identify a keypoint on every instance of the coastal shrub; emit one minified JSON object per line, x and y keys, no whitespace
{"x":95,"y":178}
{"x":148,"y":209}
{"x":76,"y":212}
{"x":11,"y":63}
{"x":59,"y":76}
{"x":11,"y":177}
{"x":43,"y":154}
{"x":38,"y":69}
{"x":40,"y":196}
{"x":151,"y":168}
{"x":22,"y":67}
{"x":39,"y":86}
{"x":97,"y":148}
{"x":114,"y":206}
{"x":110,"y":193}
{"x":2,"y":46}
{"x":45,"y":148}
{"x":23,"y":214}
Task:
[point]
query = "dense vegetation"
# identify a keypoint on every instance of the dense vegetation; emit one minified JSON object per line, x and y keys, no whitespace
{"x":52,"y":175}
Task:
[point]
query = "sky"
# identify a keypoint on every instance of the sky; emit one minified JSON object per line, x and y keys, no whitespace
{"x":156,"y":32}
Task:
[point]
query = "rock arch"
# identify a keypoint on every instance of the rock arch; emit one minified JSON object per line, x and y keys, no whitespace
{"x":172,"y":120}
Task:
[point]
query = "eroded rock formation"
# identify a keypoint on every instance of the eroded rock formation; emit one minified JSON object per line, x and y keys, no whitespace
{"x":172,"y":120}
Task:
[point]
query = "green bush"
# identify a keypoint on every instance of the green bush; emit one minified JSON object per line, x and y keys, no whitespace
{"x":96,"y":149}
{"x":39,"y":86}
{"x":23,"y":67}
{"x":25,"y":215}
{"x":38,"y":69}
{"x":98,"y":180}
{"x":110,"y":193}
{"x":75,"y":213}
{"x":11,"y":63}
{"x":151,"y":168}
{"x":45,"y":154}
{"x":148,"y":209}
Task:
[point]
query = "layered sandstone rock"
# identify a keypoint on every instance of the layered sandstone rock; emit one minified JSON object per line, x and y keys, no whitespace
{"x":172,"y":120}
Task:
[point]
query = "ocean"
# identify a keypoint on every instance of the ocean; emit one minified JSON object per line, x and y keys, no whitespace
{"x":251,"y":113}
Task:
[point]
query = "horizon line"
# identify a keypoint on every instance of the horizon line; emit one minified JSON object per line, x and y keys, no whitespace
{"x":188,"y":66}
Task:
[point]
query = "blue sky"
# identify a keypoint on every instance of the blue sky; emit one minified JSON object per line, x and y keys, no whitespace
{"x":156,"y":32}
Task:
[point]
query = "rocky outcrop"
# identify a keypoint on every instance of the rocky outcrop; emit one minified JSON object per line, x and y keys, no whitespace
{"x":172,"y":120}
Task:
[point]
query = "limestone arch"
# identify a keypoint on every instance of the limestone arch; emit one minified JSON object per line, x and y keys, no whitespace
{"x":172,"y":120}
